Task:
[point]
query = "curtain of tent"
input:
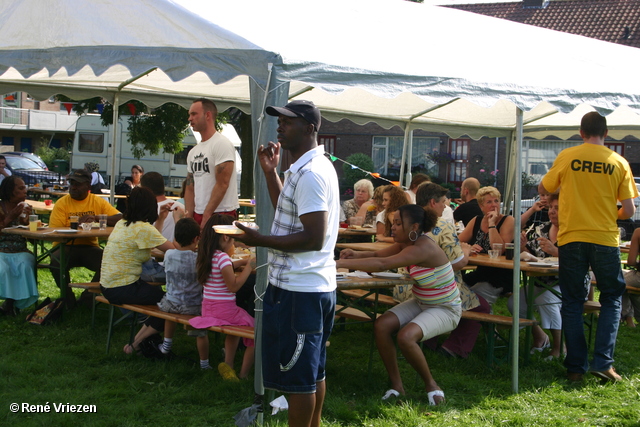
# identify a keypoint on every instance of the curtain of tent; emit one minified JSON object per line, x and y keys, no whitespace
{"x":264,"y":130}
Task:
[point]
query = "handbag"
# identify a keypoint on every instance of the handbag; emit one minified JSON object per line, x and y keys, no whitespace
{"x":47,"y":312}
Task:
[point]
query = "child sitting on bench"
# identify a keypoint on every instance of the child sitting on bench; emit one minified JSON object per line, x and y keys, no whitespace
{"x":216,"y":274}
{"x":184,"y":293}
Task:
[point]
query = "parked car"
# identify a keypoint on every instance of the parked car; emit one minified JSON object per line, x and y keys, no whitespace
{"x":30,"y":156}
{"x":31,"y":172}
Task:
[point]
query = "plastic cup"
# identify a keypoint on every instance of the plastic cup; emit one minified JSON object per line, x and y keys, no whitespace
{"x":497,"y":247}
{"x":48,"y":202}
{"x":494,"y":254}
{"x":102,"y":220}
{"x":73,"y":222}
{"x":509,"y":249}
{"x":356,"y":221}
{"x":86,"y":226}
{"x":33,"y":222}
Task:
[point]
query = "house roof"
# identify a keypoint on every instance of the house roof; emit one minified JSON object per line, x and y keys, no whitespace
{"x":615,"y":21}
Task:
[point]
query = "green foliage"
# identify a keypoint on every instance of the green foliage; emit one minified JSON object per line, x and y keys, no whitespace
{"x":48,"y":155}
{"x":164,"y":129}
{"x":351,"y":176}
{"x":66,"y":363}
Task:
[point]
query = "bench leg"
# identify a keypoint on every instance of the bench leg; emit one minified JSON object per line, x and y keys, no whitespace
{"x":110,"y":331}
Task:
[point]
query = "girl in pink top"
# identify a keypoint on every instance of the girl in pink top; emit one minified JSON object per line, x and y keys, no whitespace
{"x":216,"y":273}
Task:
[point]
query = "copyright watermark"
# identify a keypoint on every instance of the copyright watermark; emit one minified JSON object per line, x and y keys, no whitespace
{"x":51,"y":407}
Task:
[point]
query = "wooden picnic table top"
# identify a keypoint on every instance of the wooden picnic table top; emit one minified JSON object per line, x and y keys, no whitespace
{"x":40,"y":207}
{"x":367,"y":231}
{"x":352,"y":282}
{"x":57,"y":234}
{"x":501,"y":262}
{"x":366,"y":246}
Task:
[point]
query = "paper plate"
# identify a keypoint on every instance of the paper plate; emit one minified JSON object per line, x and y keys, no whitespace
{"x":227,"y":229}
{"x":388,"y":275}
{"x":543,"y":264}
{"x":68,"y":230}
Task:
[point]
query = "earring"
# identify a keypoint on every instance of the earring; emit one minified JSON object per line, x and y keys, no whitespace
{"x":416,"y":235}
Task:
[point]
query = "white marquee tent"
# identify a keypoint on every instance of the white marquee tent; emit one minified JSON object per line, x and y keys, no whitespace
{"x":391,"y":61}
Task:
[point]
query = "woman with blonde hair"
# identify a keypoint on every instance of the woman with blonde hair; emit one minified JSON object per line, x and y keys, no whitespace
{"x":359,"y":205}
{"x":392,"y":198}
{"x":483,"y":231}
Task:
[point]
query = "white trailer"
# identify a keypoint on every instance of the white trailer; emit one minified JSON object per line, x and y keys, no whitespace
{"x":92,"y":143}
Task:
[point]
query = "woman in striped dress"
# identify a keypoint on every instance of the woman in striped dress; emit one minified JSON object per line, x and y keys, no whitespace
{"x":435,"y":306}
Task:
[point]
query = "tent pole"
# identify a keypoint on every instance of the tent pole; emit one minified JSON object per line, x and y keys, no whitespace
{"x":405,"y":143}
{"x":114,"y":145}
{"x":515,"y":330}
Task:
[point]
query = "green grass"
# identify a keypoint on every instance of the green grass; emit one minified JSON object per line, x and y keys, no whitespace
{"x":66,"y":363}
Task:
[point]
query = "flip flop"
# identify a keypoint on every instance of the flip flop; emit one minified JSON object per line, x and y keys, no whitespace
{"x":545,"y":344}
{"x":433,"y":394}
{"x":390,"y":393}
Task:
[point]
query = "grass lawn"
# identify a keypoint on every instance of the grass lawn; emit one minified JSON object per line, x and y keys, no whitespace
{"x":65,"y":363}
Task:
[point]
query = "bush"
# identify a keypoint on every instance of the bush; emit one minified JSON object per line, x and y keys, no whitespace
{"x":48,"y":155}
{"x":351,"y":176}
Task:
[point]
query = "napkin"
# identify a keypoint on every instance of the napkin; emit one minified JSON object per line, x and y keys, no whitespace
{"x":527,"y":257}
{"x":279,"y":404}
{"x":360,"y":274}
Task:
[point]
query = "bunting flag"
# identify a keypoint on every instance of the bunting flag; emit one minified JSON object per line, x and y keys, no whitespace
{"x":68,"y":106}
{"x":100,"y":108}
{"x":373,"y":174}
{"x":132,"y":108}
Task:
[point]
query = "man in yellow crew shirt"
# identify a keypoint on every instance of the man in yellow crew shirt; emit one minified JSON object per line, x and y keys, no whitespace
{"x":81,"y":252}
{"x":593,"y":179}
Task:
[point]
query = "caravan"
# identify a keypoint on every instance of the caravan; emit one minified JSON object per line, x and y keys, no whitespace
{"x":92,"y":142}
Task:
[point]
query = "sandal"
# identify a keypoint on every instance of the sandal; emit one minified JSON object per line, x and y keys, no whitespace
{"x":390,"y":393}
{"x":546,"y":344}
{"x":433,"y":394}
{"x":128,"y":349}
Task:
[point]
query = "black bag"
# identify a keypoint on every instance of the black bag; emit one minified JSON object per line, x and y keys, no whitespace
{"x":150,"y":347}
{"x":47,"y":312}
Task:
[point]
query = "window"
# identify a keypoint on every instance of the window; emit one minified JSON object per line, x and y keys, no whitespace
{"x":329,"y":142}
{"x":618,"y":147}
{"x":387,"y":155}
{"x":538,"y":156}
{"x":181,"y":157}
{"x":91,"y":142}
{"x":458,"y":169}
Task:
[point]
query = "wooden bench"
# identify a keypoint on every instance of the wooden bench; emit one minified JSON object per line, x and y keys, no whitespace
{"x":360,"y":293}
{"x":633,"y":290}
{"x":154,"y":311}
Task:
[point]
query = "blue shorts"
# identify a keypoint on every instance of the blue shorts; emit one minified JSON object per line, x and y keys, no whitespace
{"x":295,"y":331}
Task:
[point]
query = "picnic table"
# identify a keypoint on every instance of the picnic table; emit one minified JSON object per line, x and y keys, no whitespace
{"x":366,"y":246}
{"x":61,"y":235}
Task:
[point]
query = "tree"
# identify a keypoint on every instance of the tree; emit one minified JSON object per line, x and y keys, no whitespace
{"x":161,"y":129}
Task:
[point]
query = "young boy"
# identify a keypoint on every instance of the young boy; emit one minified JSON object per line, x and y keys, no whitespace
{"x":184,"y":293}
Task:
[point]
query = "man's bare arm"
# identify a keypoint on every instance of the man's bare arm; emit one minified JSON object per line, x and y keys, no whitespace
{"x":189,"y":196}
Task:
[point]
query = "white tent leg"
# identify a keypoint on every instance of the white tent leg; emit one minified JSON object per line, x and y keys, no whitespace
{"x":263,"y":129}
{"x":515,"y":330}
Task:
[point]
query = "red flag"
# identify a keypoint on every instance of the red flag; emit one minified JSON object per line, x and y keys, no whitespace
{"x":68,"y":106}
{"x":132,"y":109}
{"x":9,"y":98}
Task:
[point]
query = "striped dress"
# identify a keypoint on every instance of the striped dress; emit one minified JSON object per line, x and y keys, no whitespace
{"x":215,"y":288}
{"x":435,"y":285}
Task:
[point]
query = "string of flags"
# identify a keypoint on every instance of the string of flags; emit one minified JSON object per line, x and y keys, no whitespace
{"x":373,"y":174}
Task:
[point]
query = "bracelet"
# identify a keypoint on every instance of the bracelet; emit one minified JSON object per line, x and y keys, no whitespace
{"x":492,"y":226}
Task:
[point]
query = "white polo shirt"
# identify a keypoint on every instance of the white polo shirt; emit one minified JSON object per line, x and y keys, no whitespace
{"x":311,"y":185}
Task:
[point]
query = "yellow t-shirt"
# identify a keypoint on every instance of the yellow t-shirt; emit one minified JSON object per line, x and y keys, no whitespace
{"x":126,"y":250}
{"x":91,"y":205}
{"x":592,"y":179}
